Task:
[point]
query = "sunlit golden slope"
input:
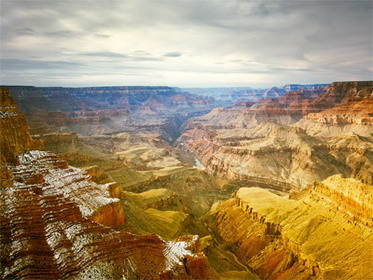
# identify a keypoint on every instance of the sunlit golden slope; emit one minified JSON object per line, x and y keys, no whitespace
{"x":324,"y":233}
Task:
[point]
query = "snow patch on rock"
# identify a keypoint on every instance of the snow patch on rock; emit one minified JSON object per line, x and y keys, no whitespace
{"x":176,"y":251}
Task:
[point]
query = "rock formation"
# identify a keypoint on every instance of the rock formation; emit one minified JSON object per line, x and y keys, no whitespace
{"x":265,"y":141}
{"x":108,"y":109}
{"x":15,"y":137}
{"x":56,"y":223}
{"x":348,"y":108}
{"x":122,"y":201}
{"x":321,"y":234}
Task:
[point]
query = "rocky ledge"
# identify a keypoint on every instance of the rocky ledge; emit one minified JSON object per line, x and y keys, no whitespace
{"x":14,"y":137}
{"x":321,"y":234}
{"x":56,"y":224}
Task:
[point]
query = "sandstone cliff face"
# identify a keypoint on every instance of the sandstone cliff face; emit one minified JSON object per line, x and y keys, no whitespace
{"x":348,"y":196}
{"x":297,"y":102}
{"x":56,"y":223}
{"x":15,"y":137}
{"x":347,"y":107}
{"x":263,"y":142}
{"x":287,"y":156}
{"x":313,"y":237}
{"x":340,"y":92}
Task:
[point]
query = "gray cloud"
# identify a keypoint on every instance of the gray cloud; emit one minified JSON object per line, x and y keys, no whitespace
{"x":25,"y":31}
{"x":217,"y":41}
{"x":105,"y":54}
{"x":102,"y":35}
{"x":28,"y":64}
{"x":61,"y":33}
{"x":172,"y":54}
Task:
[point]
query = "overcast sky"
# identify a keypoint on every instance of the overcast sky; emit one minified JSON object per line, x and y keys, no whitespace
{"x":185,"y":43}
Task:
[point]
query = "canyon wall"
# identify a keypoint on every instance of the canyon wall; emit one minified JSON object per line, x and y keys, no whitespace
{"x":15,"y":137}
{"x":348,"y":109}
{"x":231,"y":96}
{"x":108,"y":109}
{"x":324,"y":233}
{"x":303,"y":136}
{"x":57,"y":223}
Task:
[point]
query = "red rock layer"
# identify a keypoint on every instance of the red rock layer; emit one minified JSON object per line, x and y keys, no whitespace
{"x":243,"y":143}
{"x":52,"y":227}
{"x":356,"y":107}
{"x":14,"y":137}
{"x":338,"y":98}
{"x":297,"y":102}
{"x":55,"y":222}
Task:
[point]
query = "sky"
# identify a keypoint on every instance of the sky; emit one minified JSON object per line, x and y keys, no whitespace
{"x":189,"y":43}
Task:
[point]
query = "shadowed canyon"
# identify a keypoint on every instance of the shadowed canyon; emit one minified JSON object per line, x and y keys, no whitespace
{"x":170,"y":183}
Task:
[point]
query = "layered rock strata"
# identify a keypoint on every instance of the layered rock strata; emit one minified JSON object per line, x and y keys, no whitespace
{"x":14,"y":137}
{"x":281,"y":140}
{"x":53,"y":227}
{"x":349,"y":109}
{"x":323,"y":234}
{"x":56,"y":223}
{"x":108,"y":109}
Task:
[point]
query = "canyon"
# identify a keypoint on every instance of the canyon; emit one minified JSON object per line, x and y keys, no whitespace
{"x":298,"y":138}
{"x":56,"y":222}
{"x":169,"y":183}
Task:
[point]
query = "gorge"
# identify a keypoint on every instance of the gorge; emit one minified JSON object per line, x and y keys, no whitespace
{"x":162,"y":183}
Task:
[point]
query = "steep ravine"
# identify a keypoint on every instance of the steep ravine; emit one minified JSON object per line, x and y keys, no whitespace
{"x":56,"y":223}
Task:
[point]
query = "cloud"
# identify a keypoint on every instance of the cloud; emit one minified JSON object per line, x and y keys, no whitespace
{"x":105,"y":54}
{"x":25,"y":31}
{"x":28,"y":64}
{"x":230,"y":42}
{"x":102,"y":35}
{"x":172,"y":54}
{"x":61,"y":33}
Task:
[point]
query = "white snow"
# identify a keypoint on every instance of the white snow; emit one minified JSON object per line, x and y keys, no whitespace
{"x":175,"y":251}
{"x":72,"y":183}
{"x":199,"y":165}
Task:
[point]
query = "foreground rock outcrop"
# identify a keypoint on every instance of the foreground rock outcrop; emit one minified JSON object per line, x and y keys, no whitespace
{"x":324,"y":233}
{"x":56,"y":223}
{"x":15,"y":137}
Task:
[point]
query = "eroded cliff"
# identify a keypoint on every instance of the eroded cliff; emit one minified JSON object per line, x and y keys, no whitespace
{"x":301,"y":137}
{"x":56,"y":223}
{"x":321,"y":234}
{"x":14,"y":137}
